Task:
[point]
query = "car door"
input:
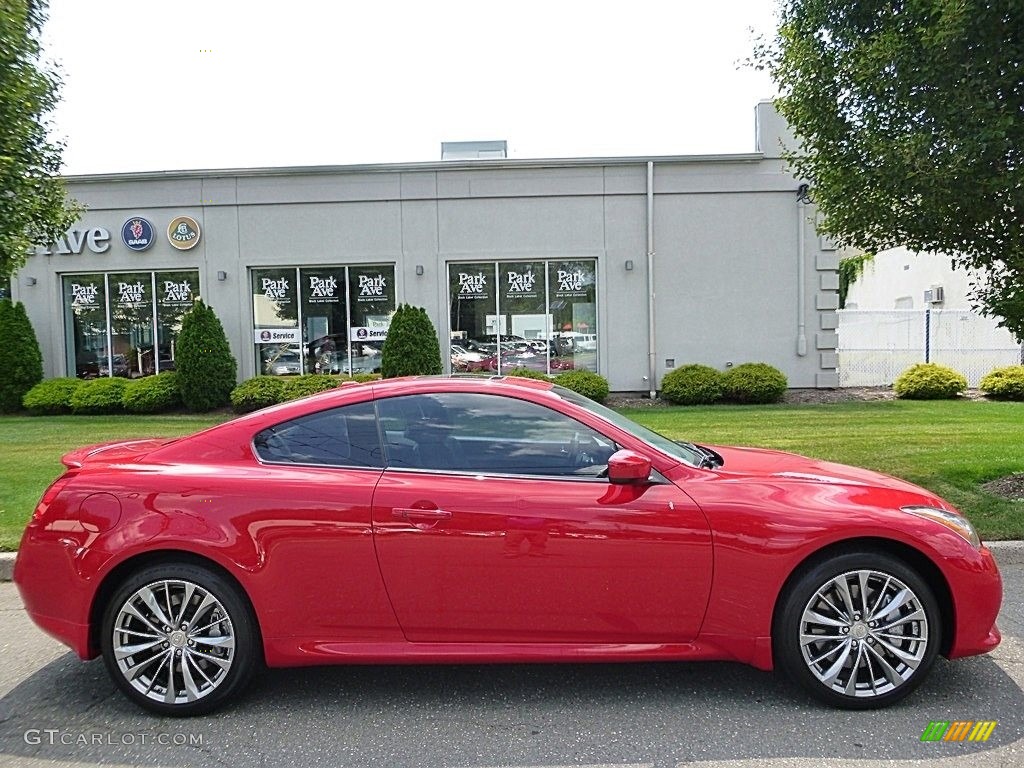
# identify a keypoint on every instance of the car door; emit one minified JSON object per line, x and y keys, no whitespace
{"x":492,"y":523}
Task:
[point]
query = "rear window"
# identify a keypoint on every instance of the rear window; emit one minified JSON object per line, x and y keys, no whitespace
{"x":340,"y":437}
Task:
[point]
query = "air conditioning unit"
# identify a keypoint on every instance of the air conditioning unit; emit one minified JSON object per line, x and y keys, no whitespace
{"x":938,"y":294}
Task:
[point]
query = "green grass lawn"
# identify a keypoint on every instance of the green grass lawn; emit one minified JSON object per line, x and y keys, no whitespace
{"x":948,"y":447}
{"x":31,"y":447}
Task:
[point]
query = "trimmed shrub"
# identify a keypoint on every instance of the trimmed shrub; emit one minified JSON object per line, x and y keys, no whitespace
{"x":753,"y":383}
{"x":362,"y":378}
{"x":310,"y":384}
{"x":1004,"y":383}
{"x":51,"y":396}
{"x":21,"y":362}
{"x":528,"y":373}
{"x":586,"y":383}
{"x":206,"y":369}
{"x":153,"y":394}
{"x":258,"y":392}
{"x":100,"y":396}
{"x":692,"y":385}
{"x":411,"y":348}
{"x":929,"y":381}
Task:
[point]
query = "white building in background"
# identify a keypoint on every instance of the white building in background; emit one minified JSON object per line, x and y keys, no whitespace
{"x":899,"y":279}
{"x":909,"y":308}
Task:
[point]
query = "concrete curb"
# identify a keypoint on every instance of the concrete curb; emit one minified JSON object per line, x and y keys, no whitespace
{"x":1006,"y":553}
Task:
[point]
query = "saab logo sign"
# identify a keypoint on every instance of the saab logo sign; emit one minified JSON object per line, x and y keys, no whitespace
{"x":183,"y":233}
{"x":958,"y":730}
{"x":137,"y":234}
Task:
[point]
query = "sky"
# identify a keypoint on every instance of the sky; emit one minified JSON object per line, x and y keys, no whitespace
{"x":157,"y":85}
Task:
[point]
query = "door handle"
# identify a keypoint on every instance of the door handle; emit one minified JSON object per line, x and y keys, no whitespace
{"x":404,"y":513}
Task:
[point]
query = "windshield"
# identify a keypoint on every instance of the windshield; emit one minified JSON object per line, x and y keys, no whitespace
{"x":679,"y":450}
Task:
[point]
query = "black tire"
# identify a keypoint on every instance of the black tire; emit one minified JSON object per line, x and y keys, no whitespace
{"x":867,"y":657}
{"x":189,"y":670}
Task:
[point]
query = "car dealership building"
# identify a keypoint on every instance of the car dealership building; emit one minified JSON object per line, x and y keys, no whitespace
{"x":647,"y":262}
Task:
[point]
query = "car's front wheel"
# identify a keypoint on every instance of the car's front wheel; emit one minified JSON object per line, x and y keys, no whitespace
{"x":179,"y":639}
{"x":859,"y":630}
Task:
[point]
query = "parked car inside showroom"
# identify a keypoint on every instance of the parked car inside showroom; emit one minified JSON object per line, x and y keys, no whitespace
{"x":475,"y":519}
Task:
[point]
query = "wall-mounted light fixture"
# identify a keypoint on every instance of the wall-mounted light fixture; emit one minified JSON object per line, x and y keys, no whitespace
{"x":222,"y":276}
{"x":419,"y":269}
{"x":629,"y":265}
{"x":30,"y":281}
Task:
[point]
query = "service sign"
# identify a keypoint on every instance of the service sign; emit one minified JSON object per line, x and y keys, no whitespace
{"x":362,"y":333}
{"x":278,"y":336}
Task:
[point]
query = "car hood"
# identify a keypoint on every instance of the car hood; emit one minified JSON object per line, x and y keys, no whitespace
{"x":790,"y":467}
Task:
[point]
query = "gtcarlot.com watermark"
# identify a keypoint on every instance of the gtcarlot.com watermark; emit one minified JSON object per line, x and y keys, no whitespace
{"x":56,"y":736}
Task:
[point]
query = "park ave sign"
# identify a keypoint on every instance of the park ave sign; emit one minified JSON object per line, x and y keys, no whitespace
{"x":74,"y":241}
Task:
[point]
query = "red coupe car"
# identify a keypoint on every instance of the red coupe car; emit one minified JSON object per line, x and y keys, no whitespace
{"x":434,"y":520}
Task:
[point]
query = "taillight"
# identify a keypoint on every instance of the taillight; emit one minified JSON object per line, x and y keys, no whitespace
{"x":50,"y":494}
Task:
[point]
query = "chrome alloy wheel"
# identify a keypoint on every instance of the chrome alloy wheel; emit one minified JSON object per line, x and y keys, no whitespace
{"x":863,"y":633}
{"x":173,"y":641}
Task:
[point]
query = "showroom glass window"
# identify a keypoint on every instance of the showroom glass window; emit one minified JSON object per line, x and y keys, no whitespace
{"x":125,"y":323}
{"x":540,"y":315}
{"x":321,"y":319}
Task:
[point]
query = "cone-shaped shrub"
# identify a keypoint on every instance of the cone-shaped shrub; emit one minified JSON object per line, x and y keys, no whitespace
{"x":206,"y":369}
{"x":411,"y":348}
{"x":21,"y":363}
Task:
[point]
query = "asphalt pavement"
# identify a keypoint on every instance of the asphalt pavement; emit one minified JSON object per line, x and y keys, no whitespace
{"x":56,"y":710}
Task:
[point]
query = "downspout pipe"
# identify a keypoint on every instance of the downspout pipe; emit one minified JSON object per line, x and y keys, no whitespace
{"x":801,"y":271}
{"x":651,"y":348}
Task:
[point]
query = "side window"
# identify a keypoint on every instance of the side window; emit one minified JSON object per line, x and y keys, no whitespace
{"x":341,"y":437}
{"x":468,"y":432}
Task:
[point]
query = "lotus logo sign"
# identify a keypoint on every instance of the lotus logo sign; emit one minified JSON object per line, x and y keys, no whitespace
{"x":183,"y":233}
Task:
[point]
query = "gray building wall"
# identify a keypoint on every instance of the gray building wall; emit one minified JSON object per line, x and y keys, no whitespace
{"x":726,"y":240}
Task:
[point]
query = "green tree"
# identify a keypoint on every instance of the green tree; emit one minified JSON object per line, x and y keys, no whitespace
{"x":20,"y":359}
{"x":411,"y":348}
{"x":206,"y":369}
{"x":909,"y":116}
{"x":34,"y":209}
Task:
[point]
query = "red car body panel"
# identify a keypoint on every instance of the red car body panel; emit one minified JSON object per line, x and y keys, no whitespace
{"x":390,"y":565}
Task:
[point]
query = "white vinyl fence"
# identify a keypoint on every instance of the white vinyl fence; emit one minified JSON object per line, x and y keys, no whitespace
{"x":876,"y":346}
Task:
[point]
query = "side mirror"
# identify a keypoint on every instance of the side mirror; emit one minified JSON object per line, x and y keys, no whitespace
{"x":628,"y":468}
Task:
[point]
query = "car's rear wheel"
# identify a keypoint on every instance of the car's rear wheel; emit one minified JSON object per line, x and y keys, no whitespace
{"x":179,"y":639}
{"x":858,"y":631}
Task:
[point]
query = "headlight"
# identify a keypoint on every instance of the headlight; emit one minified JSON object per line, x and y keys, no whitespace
{"x":951,"y":520}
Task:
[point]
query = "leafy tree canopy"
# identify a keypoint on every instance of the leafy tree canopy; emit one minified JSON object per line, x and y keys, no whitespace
{"x":34,"y":209}
{"x":910,"y":118}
